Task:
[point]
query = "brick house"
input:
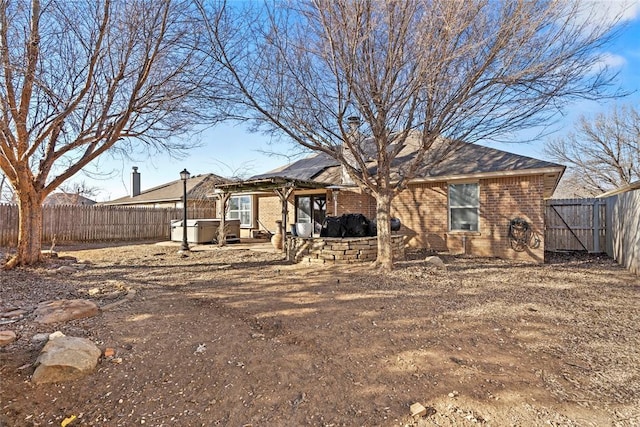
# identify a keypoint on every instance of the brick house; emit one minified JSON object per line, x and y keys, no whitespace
{"x":463,"y":203}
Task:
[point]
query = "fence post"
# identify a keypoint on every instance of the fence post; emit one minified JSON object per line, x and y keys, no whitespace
{"x":596,"y":226}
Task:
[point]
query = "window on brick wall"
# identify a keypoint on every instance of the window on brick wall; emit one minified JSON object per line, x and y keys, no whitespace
{"x":464,"y":207}
{"x":240,"y":208}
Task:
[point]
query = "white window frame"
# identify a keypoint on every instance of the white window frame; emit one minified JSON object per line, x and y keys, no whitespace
{"x":470,"y":205}
{"x":237,"y":213}
{"x":308,"y":215}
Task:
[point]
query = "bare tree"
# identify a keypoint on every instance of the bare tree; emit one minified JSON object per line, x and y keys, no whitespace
{"x":79,"y":78}
{"x":603,"y":153}
{"x":439,"y":69}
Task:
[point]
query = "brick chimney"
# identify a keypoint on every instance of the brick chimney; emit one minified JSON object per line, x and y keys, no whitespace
{"x":135,"y":182}
{"x":354,"y":124}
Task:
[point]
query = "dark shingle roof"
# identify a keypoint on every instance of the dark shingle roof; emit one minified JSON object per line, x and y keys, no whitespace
{"x":304,"y":169}
{"x":445,"y":160}
{"x":463,"y":158}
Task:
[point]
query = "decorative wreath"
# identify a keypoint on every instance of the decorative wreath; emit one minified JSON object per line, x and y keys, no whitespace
{"x":521,"y":235}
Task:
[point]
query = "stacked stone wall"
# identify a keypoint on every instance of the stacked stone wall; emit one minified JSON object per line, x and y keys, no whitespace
{"x":335,"y":250}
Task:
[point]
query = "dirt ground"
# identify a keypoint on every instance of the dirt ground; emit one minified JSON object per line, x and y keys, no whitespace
{"x":234,"y":337}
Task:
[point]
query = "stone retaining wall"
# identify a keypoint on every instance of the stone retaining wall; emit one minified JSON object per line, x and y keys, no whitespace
{"x":338,"y":250}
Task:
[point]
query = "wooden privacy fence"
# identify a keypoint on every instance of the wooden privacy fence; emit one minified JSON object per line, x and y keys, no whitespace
{"x":623,"y":245}
{"x":575,"y":225}
{"x":98,"y":223}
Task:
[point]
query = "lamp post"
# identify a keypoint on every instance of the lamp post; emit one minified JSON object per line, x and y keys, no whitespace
{"x":184,"y":176}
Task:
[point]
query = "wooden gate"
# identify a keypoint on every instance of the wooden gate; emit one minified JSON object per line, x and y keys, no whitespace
{"x":575,"y":225}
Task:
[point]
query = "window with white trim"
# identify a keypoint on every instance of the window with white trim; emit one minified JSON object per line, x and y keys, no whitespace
{"x":464,"y":207}
{"x":240,"y":208}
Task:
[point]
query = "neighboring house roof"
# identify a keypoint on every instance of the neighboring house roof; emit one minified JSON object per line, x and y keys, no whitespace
{"x":58,"y":199}
{"x":198,"y":187}
{"x":446,"y":161}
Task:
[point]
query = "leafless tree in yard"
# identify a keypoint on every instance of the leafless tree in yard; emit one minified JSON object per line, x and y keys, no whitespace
{"x":80,"y":78}
{"x":442,"y":70}
{"x":603,"y":153}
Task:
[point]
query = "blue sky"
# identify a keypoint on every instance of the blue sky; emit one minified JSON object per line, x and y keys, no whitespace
{"x":231,"y":150}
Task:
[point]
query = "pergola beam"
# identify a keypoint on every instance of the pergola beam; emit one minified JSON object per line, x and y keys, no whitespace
{"x":268,"y":184}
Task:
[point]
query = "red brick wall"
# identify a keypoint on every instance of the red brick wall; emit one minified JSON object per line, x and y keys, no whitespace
{"x":423,"y":210}
{"x":270,"y":211}
{"x":347,"y":201}
{"x":503,"y":200}
{"x":352,"y":201}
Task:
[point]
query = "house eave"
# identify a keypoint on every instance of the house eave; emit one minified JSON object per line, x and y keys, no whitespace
{"x":485,"y":175}
{"x":551,"y":175}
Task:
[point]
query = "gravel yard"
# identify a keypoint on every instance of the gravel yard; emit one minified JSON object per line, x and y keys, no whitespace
{"x":235,"y":337}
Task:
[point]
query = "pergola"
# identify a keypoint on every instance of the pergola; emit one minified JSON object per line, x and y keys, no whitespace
{"x":282,"y":186}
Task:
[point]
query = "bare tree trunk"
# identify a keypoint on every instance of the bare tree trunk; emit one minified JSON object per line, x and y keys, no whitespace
{"x":222,"y":228}
{"x":30,"y":228}
{"x":383,"y":216}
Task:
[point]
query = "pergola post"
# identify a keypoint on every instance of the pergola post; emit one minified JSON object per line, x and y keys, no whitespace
{"x":284,"y":193}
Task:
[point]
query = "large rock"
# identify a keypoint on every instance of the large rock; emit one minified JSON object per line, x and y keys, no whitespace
{"x":435,"y":261}
{"x":7,"y":337}
{"x":63,"y":310}
{"x":65,"y":358}
{"x":66,"y":269}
